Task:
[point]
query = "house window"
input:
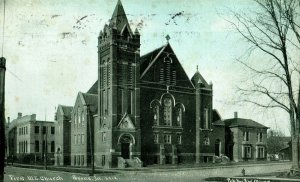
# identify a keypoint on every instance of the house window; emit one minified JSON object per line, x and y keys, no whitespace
{"x":75,"y":139}
{"x":247,"y":152}
{"x":167,"y":111}
{"x":52,"y":130}
{"x":82,"y":159}
{"x":37,"y":146}
{"x":167,"y":138}
{"x":52,"y":146}
{"x":26,"y":146}
{"x":36,"y":129}
{"x":75,"y":160}
{"x":246,"y":135}
{"x":179,"y":139}
{"x":44,"y":129}
{"x":156,"y":138}
{"x":79,"y":139}
{"x":260,"y":152}
{"x":206,"y":140}
{"x":259,"y":137}
{"x":26,"y":130}
{"x":82,"y":138}
{"x":44,"y":146}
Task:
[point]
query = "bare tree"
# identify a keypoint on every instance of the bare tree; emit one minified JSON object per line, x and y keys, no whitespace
{"x":273,"y":33}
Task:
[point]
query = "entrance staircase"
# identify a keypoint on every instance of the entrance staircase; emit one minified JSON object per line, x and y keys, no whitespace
{"x":132,"y":163}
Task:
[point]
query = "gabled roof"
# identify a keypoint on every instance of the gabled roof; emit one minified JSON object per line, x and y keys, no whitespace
{"x":198,"y":78}
{"x":93,"y":89}
{"x":66,"y":111}
{"x":119,"y":19}
{"x":152,"y":59}
{"x":92,"y":101}
{"x":149,"y":59}
{"x":241,"y":122}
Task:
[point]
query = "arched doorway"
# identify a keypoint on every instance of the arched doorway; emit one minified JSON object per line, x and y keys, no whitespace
{"x":217,"y":147}
{"x":126,"y":142}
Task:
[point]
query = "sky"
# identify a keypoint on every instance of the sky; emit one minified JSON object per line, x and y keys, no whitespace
{"x":51,"y":50}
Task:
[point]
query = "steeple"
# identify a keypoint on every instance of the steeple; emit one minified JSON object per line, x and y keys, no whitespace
{"x":198,"y":79}
{"x":119,"y":19}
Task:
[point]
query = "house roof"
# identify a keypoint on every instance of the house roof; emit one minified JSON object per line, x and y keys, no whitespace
{"x":240,"y":122}
{"x":92,"y":101}
{"x":93,"y":89}
{"x":66,"y":111}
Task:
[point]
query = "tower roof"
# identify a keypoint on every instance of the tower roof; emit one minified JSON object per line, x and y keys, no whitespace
{"x":119,"y":19}
{"x":198,"y":78}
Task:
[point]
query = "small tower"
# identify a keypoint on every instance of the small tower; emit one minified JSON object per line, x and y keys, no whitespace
{"x":118,"y":90}
{"x":203,"y":96}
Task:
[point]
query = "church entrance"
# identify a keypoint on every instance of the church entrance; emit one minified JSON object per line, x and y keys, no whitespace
{"x":125,"y":150}
{"x":126,"y":141}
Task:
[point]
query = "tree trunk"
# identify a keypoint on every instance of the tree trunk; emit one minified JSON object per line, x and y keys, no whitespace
{"x":295,"y":151}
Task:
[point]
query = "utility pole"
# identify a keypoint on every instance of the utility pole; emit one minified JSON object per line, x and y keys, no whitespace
{"x":91,"y":140}
{"x":2,"y":117}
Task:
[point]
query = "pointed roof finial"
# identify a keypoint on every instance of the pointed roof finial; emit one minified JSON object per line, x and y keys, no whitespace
{"x":119,"y":18}
{"x":197,"y":68}
{"x":168,"y":38}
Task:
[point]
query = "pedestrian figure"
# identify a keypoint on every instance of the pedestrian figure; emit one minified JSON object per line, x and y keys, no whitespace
{"x":243,"y":172}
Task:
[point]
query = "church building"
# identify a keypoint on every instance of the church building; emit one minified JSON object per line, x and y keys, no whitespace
{"x":149,"y":110}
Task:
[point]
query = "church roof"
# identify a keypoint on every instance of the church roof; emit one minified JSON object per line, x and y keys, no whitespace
{"x":146,"y":59}
{"x":198,"y":78}
{"x":93,"y":89}
{"x":119,"y":18}
{"x":92,"y":101}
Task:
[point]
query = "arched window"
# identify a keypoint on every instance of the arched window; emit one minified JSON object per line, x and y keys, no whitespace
{"x":179,"y":117}
{"x":167,"y":69}
{"x":167,"y":111}
{"x":78,"y":115}
{"x":156,"y":115}
{"x":82,"y":117}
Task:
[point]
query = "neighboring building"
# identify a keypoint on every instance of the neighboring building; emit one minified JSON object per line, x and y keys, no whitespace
{"x":63,"y":135}
{"x":31,"y":137}
{"x":245,"y":139}
{"x":82,"y":134}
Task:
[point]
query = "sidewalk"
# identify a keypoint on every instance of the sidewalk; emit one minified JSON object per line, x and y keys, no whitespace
{"x":150,"y":169}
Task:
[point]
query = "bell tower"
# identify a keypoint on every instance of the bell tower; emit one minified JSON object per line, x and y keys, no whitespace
{"x":118,"y":91}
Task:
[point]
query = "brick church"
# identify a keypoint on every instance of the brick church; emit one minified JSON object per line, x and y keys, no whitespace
{"x":143,"y":109}
{"x":149,"y":110}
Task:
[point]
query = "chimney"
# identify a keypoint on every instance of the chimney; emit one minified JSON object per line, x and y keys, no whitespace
{"x":33,"y":117}
{"x":8,"y":121}
{"x":235,"y":114}
{"x":19,"y":115}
